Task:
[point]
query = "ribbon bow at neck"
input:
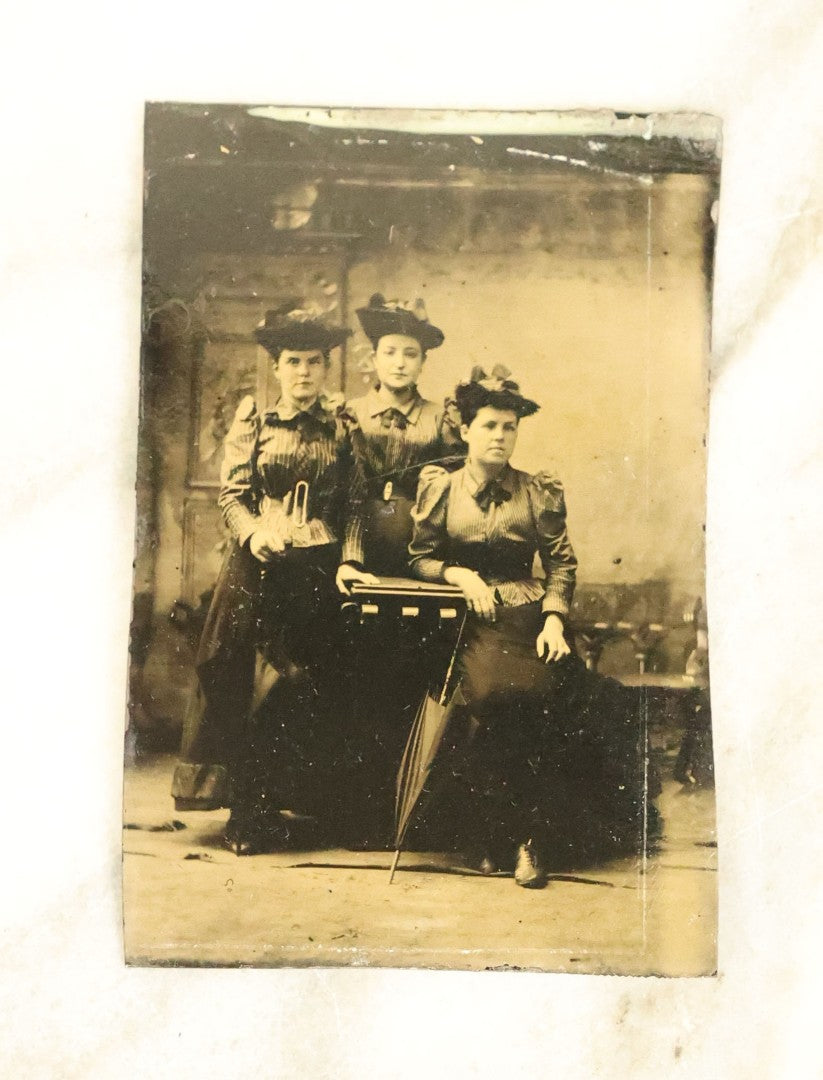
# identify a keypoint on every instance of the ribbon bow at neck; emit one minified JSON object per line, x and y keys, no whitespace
{"x":492,"y":492}
{"x":394,"y":418}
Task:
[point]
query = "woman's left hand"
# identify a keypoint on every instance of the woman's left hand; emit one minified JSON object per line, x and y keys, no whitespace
{"x":551,"y":643}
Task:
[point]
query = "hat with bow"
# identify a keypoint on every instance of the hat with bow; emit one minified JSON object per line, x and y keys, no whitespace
{"x":295,"y":326}
{"x":496,"y":390}
{"x":381,"y":317}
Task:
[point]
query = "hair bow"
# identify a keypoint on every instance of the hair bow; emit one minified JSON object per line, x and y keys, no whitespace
{"x":291,"y":311}
{"x":498,"y":380}
{"x":414,"y":307}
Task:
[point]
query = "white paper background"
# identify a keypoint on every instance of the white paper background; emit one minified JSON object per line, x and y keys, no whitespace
{"x":74,"y":79}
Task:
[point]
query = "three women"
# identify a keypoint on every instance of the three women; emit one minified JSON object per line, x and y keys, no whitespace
{"x":380,"y":486}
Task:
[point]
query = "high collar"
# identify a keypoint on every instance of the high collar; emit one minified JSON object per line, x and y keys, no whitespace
{"x":473,"y":485}
{"x":376,"y":405}
{"x":287,"y":412}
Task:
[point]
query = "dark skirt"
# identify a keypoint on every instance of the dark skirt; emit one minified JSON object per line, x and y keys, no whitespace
{"x":223,"y":686}
{"x":299,"y":603}
{"x":387,"y":661}
{"x":392,"y":663}
{"x":260,"y":753}
{"x":555,"y":752}
{"x":293,"y":752}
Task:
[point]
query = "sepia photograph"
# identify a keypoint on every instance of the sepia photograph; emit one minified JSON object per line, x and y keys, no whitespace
{"x":419,"y":658}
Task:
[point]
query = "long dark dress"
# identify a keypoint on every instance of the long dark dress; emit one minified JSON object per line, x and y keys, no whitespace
{"x":269,"y":686}
{"x":388,"y":448}
{"x":557,"y":752}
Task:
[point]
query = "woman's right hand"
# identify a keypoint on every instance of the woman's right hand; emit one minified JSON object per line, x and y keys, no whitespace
{"x":348,"y":575}
{"x":264,"y":544}
{"x":478,"y":595}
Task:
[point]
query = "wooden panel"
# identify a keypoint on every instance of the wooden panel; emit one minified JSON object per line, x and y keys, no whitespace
{"x":205,"y":539}
{"x":233,"y":296}
{"x":234,"y":317}
{"x":224,"y":374}
{"x":241,"y":276}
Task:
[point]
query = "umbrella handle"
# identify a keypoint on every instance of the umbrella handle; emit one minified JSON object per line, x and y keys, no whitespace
{"x":453,"y":660}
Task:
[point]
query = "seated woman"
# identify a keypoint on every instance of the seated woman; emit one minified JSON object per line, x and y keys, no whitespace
{"x":266,"y":663}
{"x":555,"y":769}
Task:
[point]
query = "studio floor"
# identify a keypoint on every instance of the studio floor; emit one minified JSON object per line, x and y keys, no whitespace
{"x":189,"y":901}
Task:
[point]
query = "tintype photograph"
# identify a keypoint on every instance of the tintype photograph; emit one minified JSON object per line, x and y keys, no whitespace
{"x":419,"y":650}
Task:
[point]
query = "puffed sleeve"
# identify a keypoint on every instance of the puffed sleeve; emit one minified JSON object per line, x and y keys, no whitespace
{"x":428,"y":546}
{"x":452,"y":446}
{"x":237,"y":497}
{"x":554,"y":547}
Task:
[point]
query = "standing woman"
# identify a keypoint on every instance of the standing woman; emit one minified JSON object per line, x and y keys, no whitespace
{"x":275,"y":603}
{"x":393,"y":434}
{"x":555,"y":768}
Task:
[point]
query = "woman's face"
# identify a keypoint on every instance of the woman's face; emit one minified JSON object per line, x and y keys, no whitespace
{"x":491,"y":436}
{"x":301,"y":374}
{"x":398,"y":361}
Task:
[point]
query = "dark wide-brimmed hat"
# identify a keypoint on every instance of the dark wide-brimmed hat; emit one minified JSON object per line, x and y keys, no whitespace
{"x":382,"y":317}
{"x":497,"y":391}
{"x":293,"y":326}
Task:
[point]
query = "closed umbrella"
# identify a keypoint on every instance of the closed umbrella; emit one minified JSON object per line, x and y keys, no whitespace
{"x":426,"y":735}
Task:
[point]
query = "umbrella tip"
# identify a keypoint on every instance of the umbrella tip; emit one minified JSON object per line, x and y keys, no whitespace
{"x":395,"y":861}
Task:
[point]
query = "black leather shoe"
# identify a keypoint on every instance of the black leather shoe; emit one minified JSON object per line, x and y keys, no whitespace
{"x":487,"y":866}
{"x":255,"y":841}
{"x":240,"y":845}
{"x":481,"y":861}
